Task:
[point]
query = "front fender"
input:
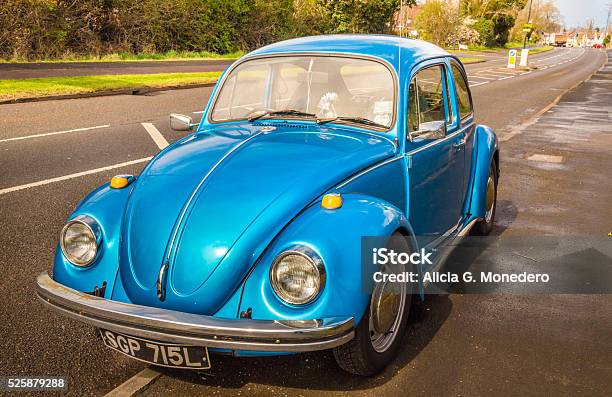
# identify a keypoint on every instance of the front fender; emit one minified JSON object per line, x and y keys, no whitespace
{"x":106,"y":206}
{"x":487,"y":147}
{"x":336,"y":236}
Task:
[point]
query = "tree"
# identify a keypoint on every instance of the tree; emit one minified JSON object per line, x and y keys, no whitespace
{"x":545,"y":17}
{"x":484,"y":27}
{"x":502,"y":13}
{"x":362,"y":16}
{"x":435,"y":22}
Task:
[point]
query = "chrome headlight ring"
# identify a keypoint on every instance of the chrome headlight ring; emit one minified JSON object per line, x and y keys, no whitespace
{"x":81,"y":234}
{"x":298,"y":275}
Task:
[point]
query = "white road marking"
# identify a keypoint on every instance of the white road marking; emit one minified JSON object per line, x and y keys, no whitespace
{"x":507,"y":77}
{"x":483,"y":77}
{"x":54,"y":133}
{"x":198,"y":112}
{"x":135,"y":384}
{"x":495,"y":74}
{"x":158,"y":138}
{"x":72,"y":176}
{"x":480,"y":83}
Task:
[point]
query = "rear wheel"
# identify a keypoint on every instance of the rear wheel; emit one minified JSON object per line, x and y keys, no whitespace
{"x":379,"y":334}
{"x":484,"y":227}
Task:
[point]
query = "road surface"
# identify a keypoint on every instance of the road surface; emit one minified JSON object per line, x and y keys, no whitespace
{"x":53,"y":153}
{"x":59,"y":69}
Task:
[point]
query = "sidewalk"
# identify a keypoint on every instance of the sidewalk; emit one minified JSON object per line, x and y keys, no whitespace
{"x":568,"y":192}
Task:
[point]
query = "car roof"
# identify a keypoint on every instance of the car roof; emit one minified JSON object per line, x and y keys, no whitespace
{"x":385,"y":47}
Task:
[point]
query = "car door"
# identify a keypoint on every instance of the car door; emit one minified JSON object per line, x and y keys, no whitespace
{"x":464,"y":109}
{"x":435,"y":159}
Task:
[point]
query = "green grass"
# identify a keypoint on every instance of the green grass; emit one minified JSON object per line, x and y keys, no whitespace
{"x":540,"y":49}
{"x":123,"y":57}
{"x":475,"y":49}
{"x":50,"y":86}
{"x":467,"y":60}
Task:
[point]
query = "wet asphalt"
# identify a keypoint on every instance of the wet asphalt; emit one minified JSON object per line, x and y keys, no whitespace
{"x":455,"y":344}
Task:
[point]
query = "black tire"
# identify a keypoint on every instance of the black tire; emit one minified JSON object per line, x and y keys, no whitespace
{"x":359,"y":356}
{"x":484,"y":227}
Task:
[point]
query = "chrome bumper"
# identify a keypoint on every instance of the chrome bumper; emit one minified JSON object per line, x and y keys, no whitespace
{"x":193,"y":329}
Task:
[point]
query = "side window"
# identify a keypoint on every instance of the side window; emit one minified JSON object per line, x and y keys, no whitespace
{"x":427,"y":99}
{"x":463,"y":92}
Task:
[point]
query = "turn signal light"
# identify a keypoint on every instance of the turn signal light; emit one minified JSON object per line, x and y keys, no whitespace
{"x":121,"y":181}
{"x":331,"y":201}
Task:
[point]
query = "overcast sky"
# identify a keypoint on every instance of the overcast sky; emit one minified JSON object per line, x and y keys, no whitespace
{"x":576,"y":12}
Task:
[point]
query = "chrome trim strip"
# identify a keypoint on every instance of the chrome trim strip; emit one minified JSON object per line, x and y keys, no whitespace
{"x":371,"y":168}
{"x":193,"y":329}
{"x":179,"y":222}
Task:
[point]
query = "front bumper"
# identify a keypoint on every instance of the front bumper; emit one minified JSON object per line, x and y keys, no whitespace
{"x":193,"y":329}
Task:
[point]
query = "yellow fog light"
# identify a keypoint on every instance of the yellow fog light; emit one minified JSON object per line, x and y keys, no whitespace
{"x":331,"y":201}
{"x":121,"y":181}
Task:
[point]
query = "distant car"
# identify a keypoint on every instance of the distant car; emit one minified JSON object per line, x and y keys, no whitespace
{"x":244,"y":237}
{"x":598,"y":45}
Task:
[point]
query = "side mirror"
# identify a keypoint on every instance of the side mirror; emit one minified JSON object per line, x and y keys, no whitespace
{"x":180,"y":122}
{"x":429,"y":131}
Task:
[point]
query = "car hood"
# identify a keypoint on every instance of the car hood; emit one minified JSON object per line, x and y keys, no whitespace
{"x":208,"y":205}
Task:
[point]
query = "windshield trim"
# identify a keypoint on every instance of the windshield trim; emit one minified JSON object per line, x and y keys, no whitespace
{"x":247,"y":58}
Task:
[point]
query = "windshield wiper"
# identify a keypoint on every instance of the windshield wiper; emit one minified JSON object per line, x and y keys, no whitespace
{"x":356,"y":120}
{"x":284,"y":112}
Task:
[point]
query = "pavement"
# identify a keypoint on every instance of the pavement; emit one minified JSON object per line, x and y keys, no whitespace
{"x":53,"y":153}
{"x":63,"y":69}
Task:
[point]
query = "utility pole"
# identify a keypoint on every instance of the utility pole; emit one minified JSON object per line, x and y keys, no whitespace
{"x":528,"y":21}
{"x":401,"y":18}
{"x":608,"y":19}
{"x":458,"y":22}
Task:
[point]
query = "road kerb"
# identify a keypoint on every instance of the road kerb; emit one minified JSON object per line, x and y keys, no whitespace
{"x":135,"y":384}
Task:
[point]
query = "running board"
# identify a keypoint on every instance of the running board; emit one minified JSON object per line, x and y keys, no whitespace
{"x":462,"y":233}
{"x":466,"y":230}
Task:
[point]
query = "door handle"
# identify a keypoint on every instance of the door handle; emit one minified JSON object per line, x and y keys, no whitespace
{"x":459,"y":144}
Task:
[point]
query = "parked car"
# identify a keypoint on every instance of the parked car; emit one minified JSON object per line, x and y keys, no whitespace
{"x":244,"y":236}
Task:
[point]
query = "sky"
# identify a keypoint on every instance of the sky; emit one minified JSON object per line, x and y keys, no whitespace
{"x":576,"y":12}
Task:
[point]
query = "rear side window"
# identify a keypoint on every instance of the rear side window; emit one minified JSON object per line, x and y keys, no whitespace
{"x":463,"y":92}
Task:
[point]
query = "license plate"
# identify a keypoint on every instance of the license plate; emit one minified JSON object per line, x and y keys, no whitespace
{"x":158,"y":353}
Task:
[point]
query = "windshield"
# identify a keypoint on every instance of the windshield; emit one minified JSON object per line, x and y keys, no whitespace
{"x":327,"y":88}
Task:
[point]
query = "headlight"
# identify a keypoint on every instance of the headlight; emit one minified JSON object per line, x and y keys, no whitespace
{"x":79,"y":240}
{"x":297,"y":275}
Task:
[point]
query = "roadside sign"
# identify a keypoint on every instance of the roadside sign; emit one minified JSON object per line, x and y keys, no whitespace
{"x":524,"y":57}
{"x":512,"y":59}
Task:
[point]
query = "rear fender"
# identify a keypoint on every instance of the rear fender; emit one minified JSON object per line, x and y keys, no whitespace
{"x":487,"y":147}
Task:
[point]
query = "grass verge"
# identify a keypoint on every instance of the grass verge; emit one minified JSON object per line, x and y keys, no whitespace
{"x":467,"y":60}
{"x":126,"y":57}
{"x":52,"y":86}
{"x":540,"y":49}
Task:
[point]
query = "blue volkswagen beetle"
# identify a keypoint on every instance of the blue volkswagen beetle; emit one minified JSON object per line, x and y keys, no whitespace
{"x":244,"y":237}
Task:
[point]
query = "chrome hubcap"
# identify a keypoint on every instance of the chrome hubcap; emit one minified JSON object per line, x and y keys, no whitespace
{"x":386,"y":310}
{"x":490,"y":199}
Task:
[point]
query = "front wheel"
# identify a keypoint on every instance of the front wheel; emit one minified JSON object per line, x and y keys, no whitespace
{"x":484,"y":227}
{"x":379,"y":334}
